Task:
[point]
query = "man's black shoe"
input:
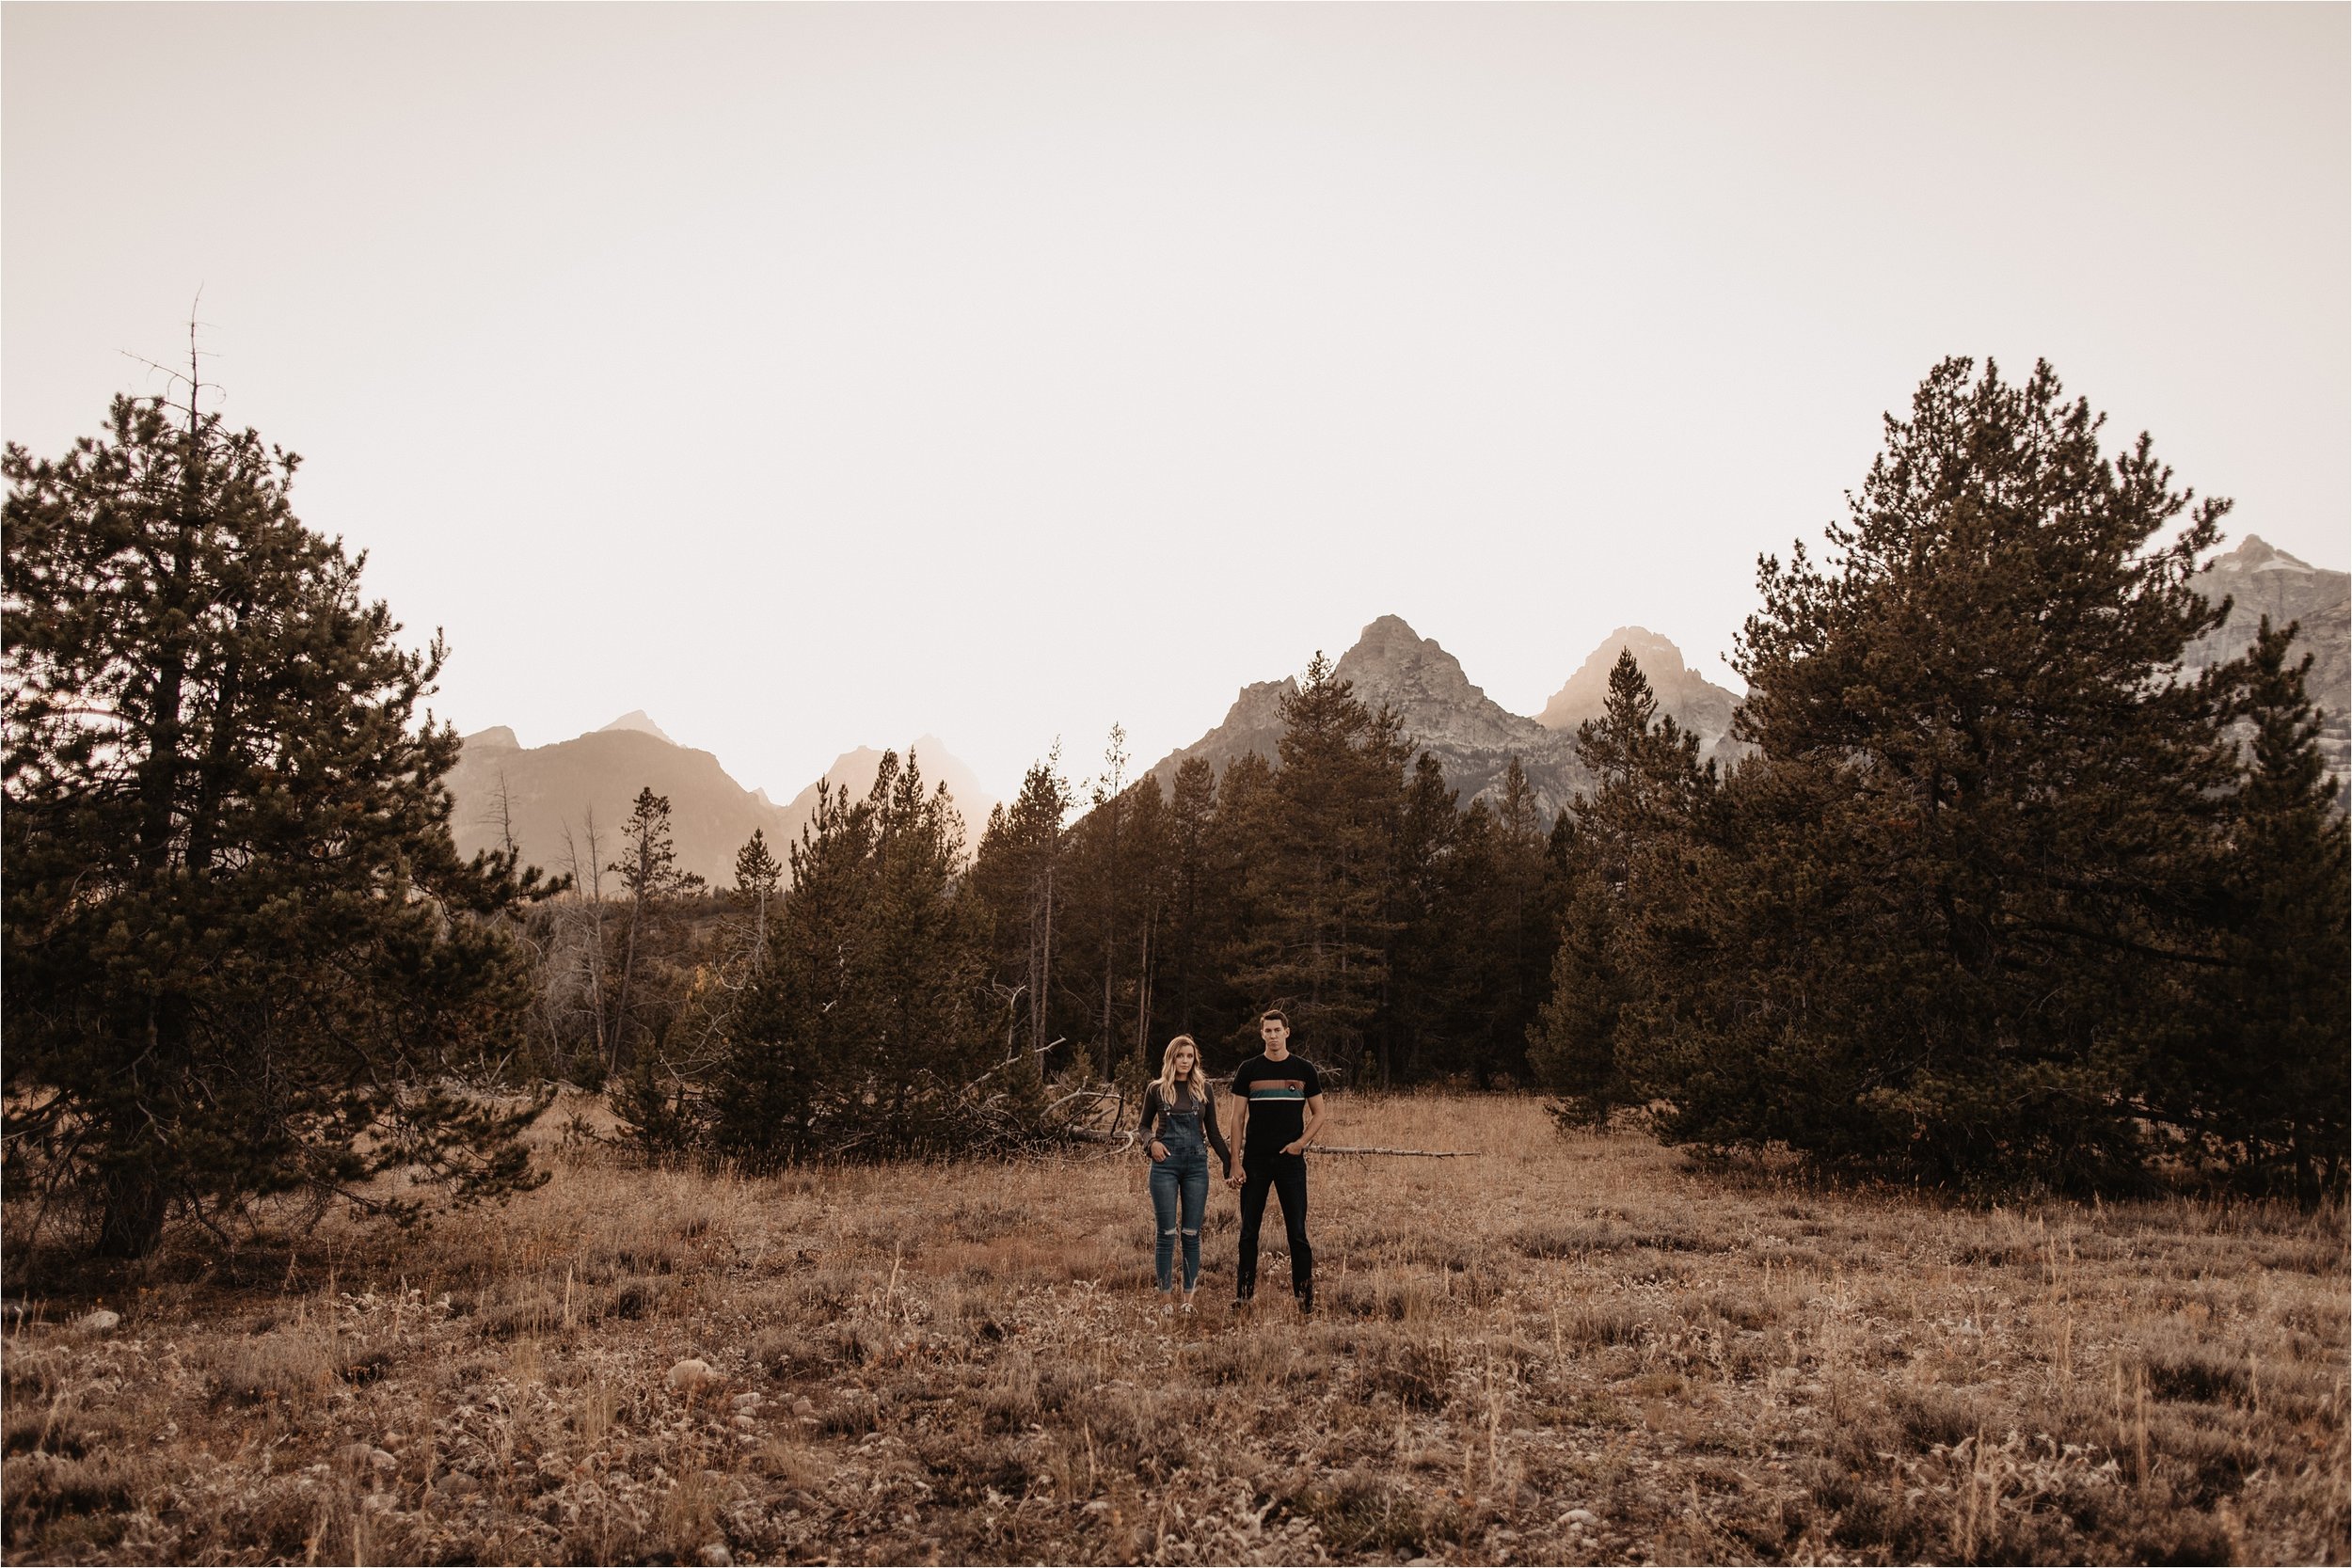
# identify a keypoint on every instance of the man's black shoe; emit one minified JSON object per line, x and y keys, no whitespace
{"x":1241,"y":1301}
{"x":1306,"y":1303}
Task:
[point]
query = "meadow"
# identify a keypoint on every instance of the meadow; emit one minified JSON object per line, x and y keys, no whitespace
{"x":1558,"y":1348}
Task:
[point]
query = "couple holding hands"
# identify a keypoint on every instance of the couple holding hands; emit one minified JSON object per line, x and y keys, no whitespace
{"x":1278,"y":1109}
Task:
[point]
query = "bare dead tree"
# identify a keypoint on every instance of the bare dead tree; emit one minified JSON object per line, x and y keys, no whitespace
{"x":1143,"y":982}
{"x":501,"y":811}
{"x":590,"y":883}
{"x":1107,"y":801}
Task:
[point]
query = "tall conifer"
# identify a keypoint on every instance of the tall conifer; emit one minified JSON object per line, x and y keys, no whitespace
{"x":243,"y":956}
{"x":1321,"y":880}
{"x":2264,"y":1077}
{"x":1954,"y":918}
{"x":873,"y":1017}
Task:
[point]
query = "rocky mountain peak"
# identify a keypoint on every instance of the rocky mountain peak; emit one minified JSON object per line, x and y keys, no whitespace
{"x":1405,"y":669}
{"x":1394,"y":666}
{"x":637,"y":719}
{"x":1697,"y":704}
{"x":2255,"y":554}
{"x":2258,"y":578}
{"x":1582,"y":696}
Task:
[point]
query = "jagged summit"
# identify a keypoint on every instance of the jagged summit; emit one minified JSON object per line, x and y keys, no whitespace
{"x":2255,"y":554}
{"x":1407,"y":668}
{"x":1697,"y":704}
{"x":2260,"y":579}
{"x":1472,"y":737}
{"x":637,"y":719}
{"x":1582,"y":697}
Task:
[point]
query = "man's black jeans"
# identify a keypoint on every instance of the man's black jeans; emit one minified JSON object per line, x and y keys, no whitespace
{"x":1286,"y":1174}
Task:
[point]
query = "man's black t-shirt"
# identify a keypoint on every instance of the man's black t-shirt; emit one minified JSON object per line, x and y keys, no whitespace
{"x":1276,"y":1093}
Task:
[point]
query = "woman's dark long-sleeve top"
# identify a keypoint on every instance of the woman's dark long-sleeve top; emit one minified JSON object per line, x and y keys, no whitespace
{"x":1156,"y":1110}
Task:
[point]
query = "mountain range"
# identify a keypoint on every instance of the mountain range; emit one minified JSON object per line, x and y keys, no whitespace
{"x":549,"y":789}
{"x":2259,"y":580}
{"x":1472,"y":737}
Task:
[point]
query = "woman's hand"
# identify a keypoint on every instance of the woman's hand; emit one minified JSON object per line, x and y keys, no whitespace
{"x":1159,"y":1149}
{"x":1233,"y":1174}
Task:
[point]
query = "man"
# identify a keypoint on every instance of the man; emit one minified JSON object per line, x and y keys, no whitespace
{"x":1278,"y":1109}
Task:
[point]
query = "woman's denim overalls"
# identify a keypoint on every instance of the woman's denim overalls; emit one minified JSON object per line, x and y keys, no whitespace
{"x":1183,"y":1174}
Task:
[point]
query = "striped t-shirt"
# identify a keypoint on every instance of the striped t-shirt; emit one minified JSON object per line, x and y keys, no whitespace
{"x":1278,"y":1093}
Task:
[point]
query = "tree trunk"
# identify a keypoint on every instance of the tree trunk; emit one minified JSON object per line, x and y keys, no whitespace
{"x":159,"y":774}
{"x":1045,"y":972}
{"x":618,"y":1058}
{"x":133,"y":1218}
{"x":1110,"y":928}
{"x":203,"y":825}
{"x":1143,"y":991}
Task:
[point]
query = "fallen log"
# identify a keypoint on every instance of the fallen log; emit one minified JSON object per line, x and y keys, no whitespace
{"x":1417,"y":1153}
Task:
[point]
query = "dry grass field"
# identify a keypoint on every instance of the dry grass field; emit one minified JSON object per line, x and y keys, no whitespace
{"x":1563,"y":1348}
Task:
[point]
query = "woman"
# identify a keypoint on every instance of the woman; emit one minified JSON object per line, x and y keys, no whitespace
{"x":1179,"y":1129}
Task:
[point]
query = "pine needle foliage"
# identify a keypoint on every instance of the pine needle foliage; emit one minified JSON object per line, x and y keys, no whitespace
{"x":1321,"y":951}
{"x":1969,"y":912}
{"x":243,"y":956}
{"x":867,"y":1032}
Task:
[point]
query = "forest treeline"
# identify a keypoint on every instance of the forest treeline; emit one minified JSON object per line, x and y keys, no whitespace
{"x":1410,"y":934}
{"x":1996,"y":894}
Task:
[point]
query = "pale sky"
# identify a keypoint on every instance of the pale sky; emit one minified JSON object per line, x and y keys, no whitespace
{"x":811,"y":376}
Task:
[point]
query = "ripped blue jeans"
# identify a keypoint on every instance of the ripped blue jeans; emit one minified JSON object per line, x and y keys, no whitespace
{"x":1180,"y":1195}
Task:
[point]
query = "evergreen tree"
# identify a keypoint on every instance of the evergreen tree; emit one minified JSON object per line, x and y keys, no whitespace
{"x":650,"y":880}
{"x":1150,"y":857}
{"x":1526,"y":930}
{"x":1195,"y":899}
{"x":758,"y":875}
{"x":2263,"y":1079}
{"x":1322,"y":880}
{"x":1428,"y":950}
{"x":1949,"y":920}
{"x":1018,"y":878}
{"x":243,"y":956}
{"x":869,"y":1023}
{"x":1648,"y":788}
{"x":1239,"y":849}
{"x":1573,"y":1043}
{"x":1099,"y":855}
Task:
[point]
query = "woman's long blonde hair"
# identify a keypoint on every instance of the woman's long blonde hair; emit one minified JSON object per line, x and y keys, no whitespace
{"x":1197,"y":1083}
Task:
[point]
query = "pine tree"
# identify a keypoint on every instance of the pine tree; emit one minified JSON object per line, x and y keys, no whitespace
{"x":1321,"y":949}
{"x":1240,"y":847}
{"x":1194,"y":898}
{"x":758,"y":877}
{"x":870,"y":1023}
{"x":243,"y":956}
{"x":2265,"y":1078}
{"x":1099,"y":846}
{"x":1149,"y":856}
{"x":1528,"y":930}
{"x":648,"y":869}
{"x":1428,"y":955}
{"x":1019,"y":878}
{"x":1648,"y":789}
{"x":1948,"y":922}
